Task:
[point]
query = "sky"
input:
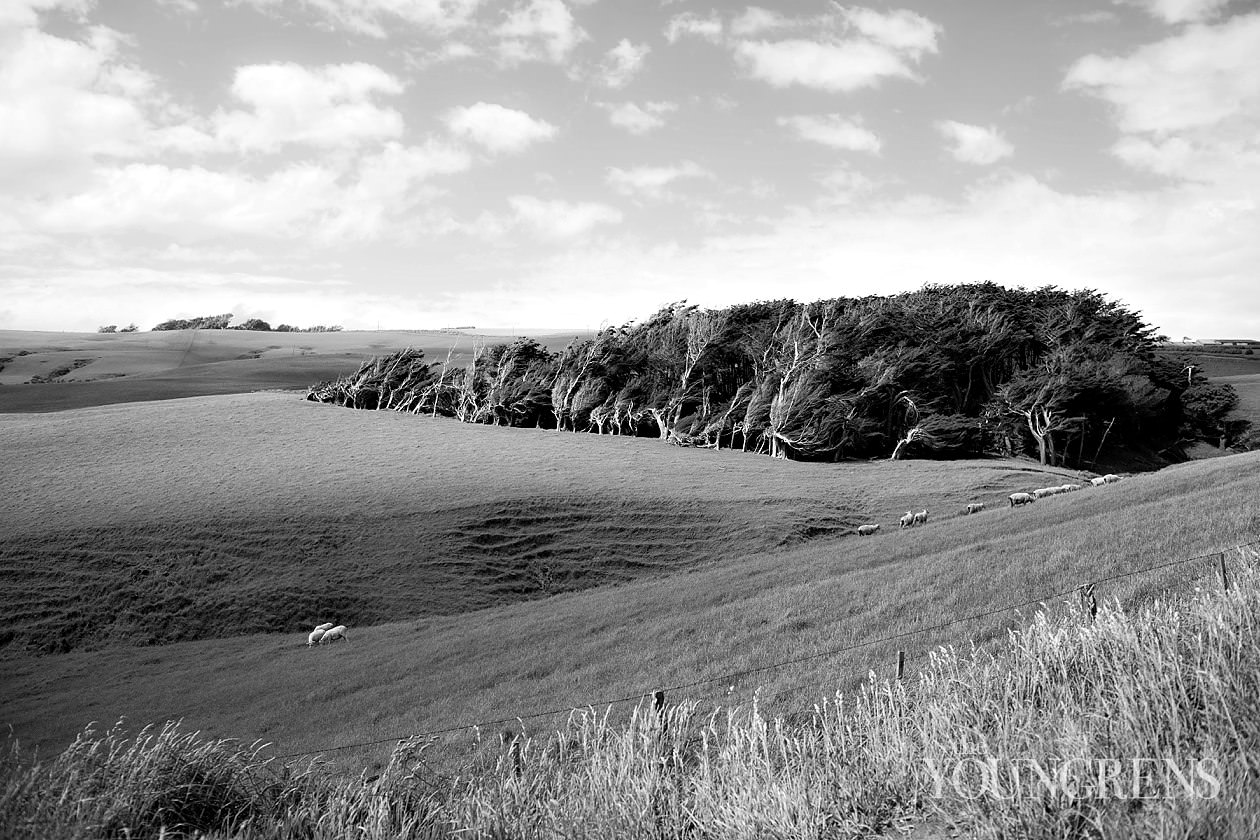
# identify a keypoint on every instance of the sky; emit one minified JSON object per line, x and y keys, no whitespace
{"x":536,"y":164}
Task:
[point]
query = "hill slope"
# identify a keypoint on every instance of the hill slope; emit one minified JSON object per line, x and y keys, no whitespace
{"x":281,"y":463}
{"x":86,"y":369}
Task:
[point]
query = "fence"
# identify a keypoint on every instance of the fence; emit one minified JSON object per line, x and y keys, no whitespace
{"x":1084,"y":592}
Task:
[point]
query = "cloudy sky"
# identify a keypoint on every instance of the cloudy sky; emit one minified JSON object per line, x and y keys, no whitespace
{"x":566,"y":163}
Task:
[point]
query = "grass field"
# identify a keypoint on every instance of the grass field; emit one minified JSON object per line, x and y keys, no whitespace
{"x":208,"y":518}
{"x":86,"y":369}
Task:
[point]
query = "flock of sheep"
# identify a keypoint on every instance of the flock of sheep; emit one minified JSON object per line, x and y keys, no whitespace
{"x":326,"y":634}
{"x":1016,"y":499}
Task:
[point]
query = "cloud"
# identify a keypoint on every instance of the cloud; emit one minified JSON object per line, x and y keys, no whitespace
{"x":623,"y":62}
{"x":639,"y":119}
{"x":1195,"y":79}
{"x":853,"y":49}
{"x":1181,"y":11}
{"x":836,"y":131}
{"x":562,"y":219}
{"x":539,"y":30}
{"x":377,"y":18}
{"x":498,"y":129}
{"x":689,"y":24}
{"x":652,"y":181}
{"x":973,"y":143}
{"x":27,"y":12}
{"x":328,"y":107}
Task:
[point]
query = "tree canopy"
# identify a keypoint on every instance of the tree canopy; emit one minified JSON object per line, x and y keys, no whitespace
{"x":945,"y":371}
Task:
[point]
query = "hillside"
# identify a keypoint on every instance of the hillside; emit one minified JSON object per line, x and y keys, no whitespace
{"x":723,"y":562}
{"x":86,"y":369}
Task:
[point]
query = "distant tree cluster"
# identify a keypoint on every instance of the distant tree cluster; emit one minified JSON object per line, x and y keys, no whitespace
{"x":947,"y":371}
{"x":224,"y":322}
{"x":113,"y":328}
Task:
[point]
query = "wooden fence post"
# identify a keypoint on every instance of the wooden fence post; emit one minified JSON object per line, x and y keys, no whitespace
{"x":901,"y":664}
{"x":513,"y":742}
{"x":1089,"y":604}
{"x":658,"y":702}
{"x":1224,"y":573}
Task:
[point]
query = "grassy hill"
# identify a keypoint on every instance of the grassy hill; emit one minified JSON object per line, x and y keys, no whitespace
{"x":105,"y":368}
{"x":436,"y":542}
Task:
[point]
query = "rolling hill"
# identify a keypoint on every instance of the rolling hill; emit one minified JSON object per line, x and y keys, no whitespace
{"x":157,"y":560}
{"x":86,"y":369}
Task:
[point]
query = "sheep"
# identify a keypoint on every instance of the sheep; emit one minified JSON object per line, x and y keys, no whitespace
{"x":336,"y":634}
{"x":1097,"y":482}
{"x":974,"y":507}
{"x":325,"y":627}
{"x":907,"y":520}
{"x":921,"y":517}
{"x":1022,"y":499}
{"x":316,"y":635}
{"x":1045,"y":491}
{"x":867,"y":530}
{"x":1110,"y":478}
{"x":1070,"y":488}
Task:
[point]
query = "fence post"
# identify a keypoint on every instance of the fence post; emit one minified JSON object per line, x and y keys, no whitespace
{"x":513,"y":742}
{"x":658,"y":701}
{"x":901,"y":664}
{"x":1089,"y":604}
{"x":1224,"y":573}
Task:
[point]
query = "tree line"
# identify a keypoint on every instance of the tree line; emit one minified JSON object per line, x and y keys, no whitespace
{"x":221,"y":322}
{"x":945,"y":372}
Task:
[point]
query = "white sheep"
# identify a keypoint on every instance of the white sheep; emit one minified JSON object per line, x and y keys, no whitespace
{"x":921,"y":517}
{"x":325,"y":627}
{"x":974,"y":507}
{"x":336,"y":634}
{"x":1097,"y":482}
{"x":316,"y":635}
{"x":1022,"y":499}
{"x":907,"y":520}
{"x":1044,"y":492}
{"x":1110,"y":478}
{"x":1070,"y":488}
{"x":867,"y":530}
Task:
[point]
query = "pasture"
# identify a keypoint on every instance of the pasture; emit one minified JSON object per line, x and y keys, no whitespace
{"x":85,"y":369}
{"x":489,"y":572}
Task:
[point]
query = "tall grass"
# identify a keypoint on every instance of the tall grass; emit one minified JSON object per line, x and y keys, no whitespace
{"x":1174,"y":680}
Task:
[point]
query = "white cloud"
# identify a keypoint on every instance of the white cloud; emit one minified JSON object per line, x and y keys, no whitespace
{"x":27,"y":12}
{"x":539,"y":30}
{"x":1181,"y":11}
{"x":1194,"y":79}
{"x":973,"y":143}
{"x":64,"y":102}
{"x":652,"y":181}
{"x":328,"y":107}
{"x":639,"y":119}
{"x":852,"y":49}
{"x":756,"y":20}
{"x":690,"y":24}
{"x":562,"y":219}
{"x":377,"y":17}
{"x":835,"y":130}
{"x":623,"y":62}
{"x":498,"y":129}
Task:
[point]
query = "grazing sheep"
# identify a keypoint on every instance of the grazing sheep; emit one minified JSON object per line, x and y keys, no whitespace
{"x":1069,"y":488}
{"x":325,"y":627}
{"x":1022,"y":499}
{"x":336,"y":634}
{"x":1045,"y":491}
{"x":867,"y":530}
{"x":920,"y":518}
{"x":974,"y":507}
{"x":1110,"y":478}
{"x":316,"y":635}
{"x":1097,"y":482}
{"x":907,"y":520}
